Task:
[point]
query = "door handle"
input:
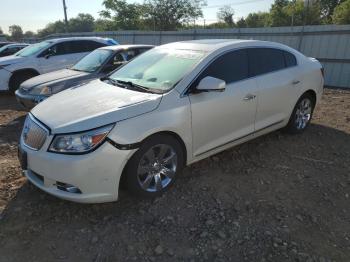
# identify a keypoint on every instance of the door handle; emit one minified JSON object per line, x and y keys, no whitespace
{"x":295,"y":82}
{"x":249,"y":97}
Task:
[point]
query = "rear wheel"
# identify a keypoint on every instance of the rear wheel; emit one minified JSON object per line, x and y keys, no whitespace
{"x":155,"y":166}
{"x":18,"y":78}
{"x":302,"y":115}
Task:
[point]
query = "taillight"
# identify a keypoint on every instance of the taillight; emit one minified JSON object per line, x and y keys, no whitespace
{"x":322,"y":71}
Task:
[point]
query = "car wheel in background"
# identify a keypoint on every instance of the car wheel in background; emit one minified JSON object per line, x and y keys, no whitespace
{"x":302,"y":114}
{"x":155,"y":166}
{"x":18,"y":78}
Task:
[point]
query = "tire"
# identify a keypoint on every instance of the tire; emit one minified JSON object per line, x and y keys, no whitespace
{"x":151,"y":171}
{"x":302,"y":114}
{"x":19,"y":78}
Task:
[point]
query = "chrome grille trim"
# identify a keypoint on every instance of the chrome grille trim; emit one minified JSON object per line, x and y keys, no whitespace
{"x":34,"y":134}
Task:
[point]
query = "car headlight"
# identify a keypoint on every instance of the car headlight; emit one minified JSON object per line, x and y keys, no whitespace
{"x":79,"y":143}
{"x":41,"y":90}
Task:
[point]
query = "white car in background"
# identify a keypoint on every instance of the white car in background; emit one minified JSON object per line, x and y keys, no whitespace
{"x":169,"y":107}
{"x":11,"y":49}
{"x":44,"y":57}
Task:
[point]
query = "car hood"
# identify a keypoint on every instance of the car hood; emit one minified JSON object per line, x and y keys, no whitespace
{"x":93,"y":105}
{"x":52,"y":78}
{"x":10,"y":60}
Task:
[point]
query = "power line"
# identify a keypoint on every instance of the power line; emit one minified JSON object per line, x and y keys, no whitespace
{"x":232,"y":4}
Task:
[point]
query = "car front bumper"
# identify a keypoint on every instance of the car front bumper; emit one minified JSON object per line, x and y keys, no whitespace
{"x":94,"y":176}
{"x":27,"y":100}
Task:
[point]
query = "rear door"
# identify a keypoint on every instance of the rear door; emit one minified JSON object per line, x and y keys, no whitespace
{"x":276,"y":74}
{"x":219,"y":118}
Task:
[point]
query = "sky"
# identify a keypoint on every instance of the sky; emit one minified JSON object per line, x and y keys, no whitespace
{"x":35,"y":14}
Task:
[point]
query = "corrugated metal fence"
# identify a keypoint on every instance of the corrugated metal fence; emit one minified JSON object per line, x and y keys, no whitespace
{"x":330,"y":44}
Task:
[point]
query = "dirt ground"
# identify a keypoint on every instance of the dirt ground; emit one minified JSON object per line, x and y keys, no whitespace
{"x":277,"y":198}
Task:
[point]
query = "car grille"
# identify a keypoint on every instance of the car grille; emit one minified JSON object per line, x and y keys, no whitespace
{"x":33,"y":134}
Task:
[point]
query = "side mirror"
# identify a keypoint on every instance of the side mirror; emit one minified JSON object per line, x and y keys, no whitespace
{"x":208,"y":84}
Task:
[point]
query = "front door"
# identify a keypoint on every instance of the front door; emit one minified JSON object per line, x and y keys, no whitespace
{"x":219,"y":118}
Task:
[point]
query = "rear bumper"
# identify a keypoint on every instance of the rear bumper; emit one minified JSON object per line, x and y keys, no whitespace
{"x":27,"y":100}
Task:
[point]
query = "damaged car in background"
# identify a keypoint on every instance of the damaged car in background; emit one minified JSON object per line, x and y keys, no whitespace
{"x":95,"y":65}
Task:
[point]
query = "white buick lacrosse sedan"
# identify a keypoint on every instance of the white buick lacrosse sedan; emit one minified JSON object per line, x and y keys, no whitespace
{"x":170,"y":107}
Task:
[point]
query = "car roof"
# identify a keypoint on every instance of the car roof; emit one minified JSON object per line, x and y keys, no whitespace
{"x":125,"y":47}
{"x":57,"y":40}
{"x":17,"y":44}
{"x":211,"y":45}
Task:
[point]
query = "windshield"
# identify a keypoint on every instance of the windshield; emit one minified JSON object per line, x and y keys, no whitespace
{"x":32,"y":49}
{"x":92,"y":61}
{"x":158,"y":69}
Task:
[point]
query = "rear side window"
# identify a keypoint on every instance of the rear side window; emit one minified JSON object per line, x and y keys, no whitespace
{"x":265,"y":60}
{"x":92,"y":45}
{"x":230,"y":67}
{"x":290,"y":59}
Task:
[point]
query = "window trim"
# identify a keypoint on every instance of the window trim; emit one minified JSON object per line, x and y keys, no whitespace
{"x":186,"y":91}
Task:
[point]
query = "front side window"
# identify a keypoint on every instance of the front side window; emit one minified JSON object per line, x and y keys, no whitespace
{"x":33,"y":49}
{"x":265,"y":60}
{"x":93,"y":61}
{"x":159,"y":69}
{"x":230,"y":67}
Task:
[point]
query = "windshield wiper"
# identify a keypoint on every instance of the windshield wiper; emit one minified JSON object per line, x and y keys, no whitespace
{"x":130,"y":84}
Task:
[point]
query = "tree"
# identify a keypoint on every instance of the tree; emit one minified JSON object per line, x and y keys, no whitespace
{"x":342,"y":13}
{"x":29,"y":34}
{"x":123,"y":15}
{"x":171,"y":14}
{"x":327,"y":8}
{"x":16,"y":32}
{"x":260,"y":19}
{"x":104,"y":25}
{"x":241,"y":23}
{"x":226,"y":14}
{"x":52,"y":28}
{"x":278,"y":15}
{"x":1,"y":32}
{"x":81,"y":23}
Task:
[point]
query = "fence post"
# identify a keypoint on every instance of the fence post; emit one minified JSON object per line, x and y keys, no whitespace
{"x":301,"y":38}
{"x":160,"y":37}
{"x":133,"y":37}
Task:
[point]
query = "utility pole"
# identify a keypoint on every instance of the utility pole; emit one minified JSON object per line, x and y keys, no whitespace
{"x":65,"y":15}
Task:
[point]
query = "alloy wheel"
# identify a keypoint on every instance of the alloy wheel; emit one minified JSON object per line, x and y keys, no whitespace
{"x":157,"y":168}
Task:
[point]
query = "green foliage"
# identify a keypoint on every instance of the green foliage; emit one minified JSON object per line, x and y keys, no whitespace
{"x":122,"y":14}
{"x":226,"y":14}
{"x":29,"y":34}
{"x":81,"y":23}
{"x":259,"y":19}
{"x":241,"y":23}
{"x":327,"y":8}
{"x":16,"y":32}
{"x":152,"y":14}
{"x":342,"y":13}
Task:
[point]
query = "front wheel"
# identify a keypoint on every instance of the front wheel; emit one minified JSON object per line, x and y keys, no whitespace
{"x":155,"y":166}
{"x":302,"y":115}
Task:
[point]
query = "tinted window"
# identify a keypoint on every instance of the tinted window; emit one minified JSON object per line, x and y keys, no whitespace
{"x":91,"y":45}
{"x":290,"y":59}
{"x":229,"y":67}
{"x":265,"y":60}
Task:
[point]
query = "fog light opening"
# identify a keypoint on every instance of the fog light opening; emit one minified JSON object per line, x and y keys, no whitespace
{"x":68,"y":188}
